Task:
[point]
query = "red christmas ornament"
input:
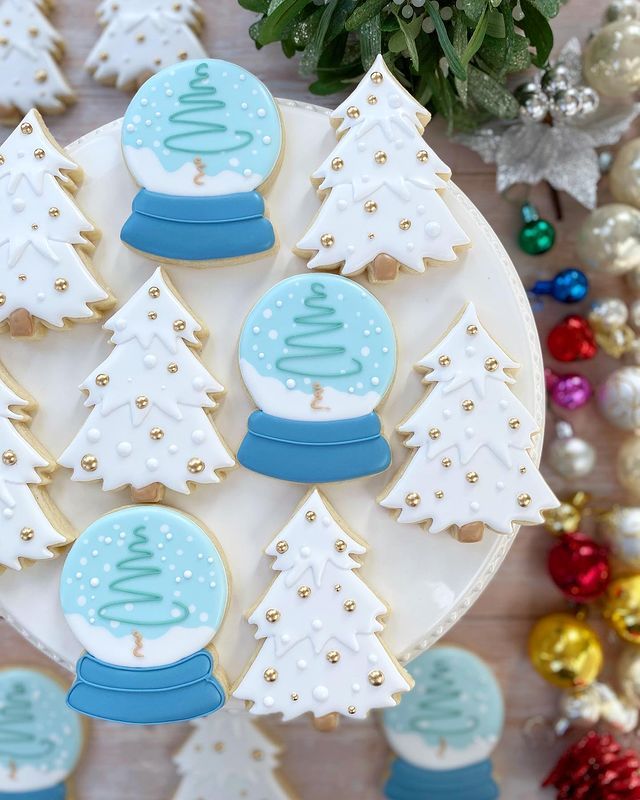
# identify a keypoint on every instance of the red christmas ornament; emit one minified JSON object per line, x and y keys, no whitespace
{"x":596,"y":768}
{"x":579,"y":567}
{"x":572,"y":339}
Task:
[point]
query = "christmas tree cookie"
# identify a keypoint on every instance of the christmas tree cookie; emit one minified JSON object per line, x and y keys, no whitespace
{"x":141,"y":37}
{"x":30,"y":49}
{"x":318,"y":355}
{"x":229,"y":756}
{"x":145,"y":589}
{"x":381,"y":188}
{"x":444,"y":732}
{"x":201,"y":138}
{"x":46,"y":242}
{"x":41,"y":739}
{"x":472,"y":435}
{"x":30,"y":524}
{"x":150,"y":427}
{"x":320,"y":623}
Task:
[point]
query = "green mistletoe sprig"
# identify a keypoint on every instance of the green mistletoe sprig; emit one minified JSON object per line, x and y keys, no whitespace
{"x":454,"y":57}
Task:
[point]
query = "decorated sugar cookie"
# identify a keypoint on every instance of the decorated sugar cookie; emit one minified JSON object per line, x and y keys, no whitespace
{"x":150,"y":427}
{"x":201,"y":138}
{"x":381,"y":188}
{"x":41,"y":739}
{"x":319,"y":622}
{"x":46,"y":242}
{"x":445,"y":730}
{"x":318,"y":355}
{"x":145,"y":589}
{"x":31,"y":527}
{"x":141,"y":37}
{"x":229,"y":756}
{"x":472,"y":466}
{"x":30,"y":49}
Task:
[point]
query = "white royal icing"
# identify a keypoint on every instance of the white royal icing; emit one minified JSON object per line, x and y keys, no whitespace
{"x":310,"y":629}
{"x":137,"y":442}
{"x":29,"y":49}
{"x":25,"y":529}
{"x":141,"y":37}
{"x":228,"y":756}
{"x":489,"y":439}
{"x":387,"y":206}
{"x":42,"y":231}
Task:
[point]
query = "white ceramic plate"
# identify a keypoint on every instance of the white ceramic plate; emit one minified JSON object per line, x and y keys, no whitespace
{"x":429,"y":581}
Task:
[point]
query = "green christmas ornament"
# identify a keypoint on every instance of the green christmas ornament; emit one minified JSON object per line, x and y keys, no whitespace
{"x":537,"y":235}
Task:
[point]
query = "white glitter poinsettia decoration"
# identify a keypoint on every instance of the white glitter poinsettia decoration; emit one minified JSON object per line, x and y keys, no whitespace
{"x":560,"y":148}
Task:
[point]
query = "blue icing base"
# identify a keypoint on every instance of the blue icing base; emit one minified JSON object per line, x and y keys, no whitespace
{"x":173,"y":693}
{"x":407,"y":782}
{"x":58,"y":792}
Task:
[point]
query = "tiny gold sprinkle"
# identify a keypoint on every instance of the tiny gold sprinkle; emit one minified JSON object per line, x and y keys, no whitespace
{"x":514,"y":423}
{"x":179,"y":325}
{"x":102,"y":379}
{"x":154,"y":292}
{"x":446,"y":462}
{"x":310,"y":516}
{"x":524,"y":499}
{"x":372,"y":99}
{"x":523,"y":470}
{"x":376,"y":77}
{"x":89,"y":463}
{"x":333,"y":656}
{"x":153,"y":315}
{"x":422,"y":156}
{"x":353,"y":112}
{"x":140,"y":38}
{"x":22,"y":278}
{"x":1,"y":160}
{"x":304,"y":592}
{"x":327,"y":240}
{"x":104,"y":56}
{"x":172,"y":367}
{"x":281,"y":547}
{"x":156,"y":433}
{"x":404,"y":224}
{"x":412,"y":499}
{"x":9,"y":458}
{"x":35,"y":226}
{"x":472,"y":477}
{"x":468,"y":405}
{"x":54,"y":212}
{"x":183,"y":55}
{"x":352,"y":709}
{"x":337,"y":587}
{"x":491,"y":364}
{"x":26,"y":128}
{"x":380,"y":157}
{"x":3,"y":299}
{"x":434,"y":433}
{"x":337,"y":164}
{"x":27,"y":534}
{"x":444,"y":361}
{"x":340,"y":545}
{"x":142,"y":401}
{"x":270,"y":675}
{"x":295,"y":696}
{"x":218,"y":747}
{"x":349,"y":605}
{"x":257,"y":755}
{"x":371,"y":236}
{"x":371,"y":206}
{"x":41,"y":75}
{"x":376,"y":677}
{"x":195,"y":466}
{"x":39,"y":153}
{"x":439,"y":494}
{"x":61,"y":284}
{"x":272,"y":615}
{"x":472,"y":330}
{"x":33,"y":32}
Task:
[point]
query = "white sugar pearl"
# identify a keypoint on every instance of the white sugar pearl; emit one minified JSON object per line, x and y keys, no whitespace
{"x":290,"y":383}
{"x":355,"y":687}
{"x":198,"y":436}
{"x":432,"y":229}
{"x":124,"y":449}
{"x":305,"y":552}
{"x":8,"y":513}
{"x":301,"y":664}
{"x":150,"y":361}
{"x":317,"y":624}
{"x":173,"y":449}
{"x":152,"y":464}
{"x":268,"y":701}
{"x":475,"y":506}
{"x":470,"y":350}
{"x":500,"y":485}
{"x":320,"y":693}
{"x":198,"y":383}
{"x":93,"y":435}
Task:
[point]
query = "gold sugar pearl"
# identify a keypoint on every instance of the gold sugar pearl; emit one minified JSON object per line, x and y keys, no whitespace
{"x":340,"y":545}
{"x":337,"y":588}
{"x":152,"y":315}
{"x":27,"y":534}
{"x":61,"y":284}
{"x":33,"y":32}
{"x":35,"y":226}
{"x":26,"y":128}
{"x":444,"y":361}
{"x":380,"y":157}
{"x":179,"y":325}
{"x":102,"y":379}
{"x":172,"y":367}
{"x":491,"y":364}
{"x":89,"y":463}
{"x":282,"y":547}
{"x":523,"y":470}
{"x":353,"y":112}
{"x":3,"y":299}
{"x":272,"y":615}
{"x":195,"y":466}
{"x":446,"y":462}
{"x":377,"y":77}
{"x":524,"y":500}
{"x":376,"y":677}
{"x":439,"y":494}
{"x":39,"y":153}
{"x":218,"y":747}
{"x":22,"y":278}
{"x":472,"y":477}
{"x":54,"y":212}
{"x":304,"y":592}
{"x":154,"y":292}
{"x":371,"y":206}
{"x":140,"y":38}
{"x":333,"y":656}
{"x":412,"y":499}
{"x":1,"y":160}
{"x":514,"y":423}
{"x":468,"y":405}
{"x":349,"y":605}
{"x":310,"y":516}
{"x":422,"y":156}
{"x":372,"y":99}
{"x":270,"y":675}
{"x":9,"y":458}
{"x":104,"y":56}
{"x":257,"y":755}
{"x":352,"y":709}
{"x":295,"y":696}
{"x":156,"y":433}
{"x":434,"y":433}
{"x":472,"y":330}
{"x":327,"y":240}
{"x":183,"y":56}
{"x":41,"y":76}
{"x":142,"y":401}
{"x":404,"y":224}
{"x":371,"y":236}
{"x":337,"y":164}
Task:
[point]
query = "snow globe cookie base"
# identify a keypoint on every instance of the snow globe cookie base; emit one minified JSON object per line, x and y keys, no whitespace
{"x":407,"y":782}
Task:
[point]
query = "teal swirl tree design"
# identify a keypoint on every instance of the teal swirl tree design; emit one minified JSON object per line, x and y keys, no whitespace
{"x":202,"y":135}
{"x":19,"y":740}
{"x":132,"y":586}
{"x":313,"y":356}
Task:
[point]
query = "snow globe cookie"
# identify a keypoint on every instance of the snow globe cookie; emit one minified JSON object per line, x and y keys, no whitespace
{"x":41,"y":738}
{"x":318,"y":355}
{"x":145,"y":589}
{"x":201,"y":138}
{"x":444,"y":731}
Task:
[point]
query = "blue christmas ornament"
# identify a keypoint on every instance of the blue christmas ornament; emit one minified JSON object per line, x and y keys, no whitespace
{"x":145,"y":589}
{"x":201,"y":137}
{"x":318,"y":354}
{"x":41,"y":738}
{"x":569,"y":286}
{"x":445,"y":729}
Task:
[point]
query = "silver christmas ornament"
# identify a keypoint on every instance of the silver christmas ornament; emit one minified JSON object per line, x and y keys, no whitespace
{"x":569,"y":455}
{"x":612,"y":60}
{"x":556,"y":79}
{"x":609,"y":239}
{"x":608,"y":312}
{"x":619,"y":398}
{"x":589,"y":100}
{"x":534,"y":108}
{"x":566,"y":102}
{"x":597,"y":702}
{"x":620,"y":529}
{"x":622,"y":10}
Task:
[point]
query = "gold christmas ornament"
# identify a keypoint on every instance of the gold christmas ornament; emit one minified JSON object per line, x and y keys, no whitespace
{"x":622,"y":607}
{"x":624,"y":178}
{"x":620,"y":529}
{"x":619,"y":398}
{"x":607,"y":313}
{"x":609,"y":239}
{"x":565,"y":518}
{"x":622,"y":9}
{"x":565,"y":651}
{"x":611,"y":62}
{"x":628,"y":466}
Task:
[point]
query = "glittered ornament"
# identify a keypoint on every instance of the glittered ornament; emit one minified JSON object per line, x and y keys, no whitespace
{"x":608,"y":312}
{"x":611,"y":62}
{"x":569,"y":391}
{"x":572,"y":339}
{"x":537,"y":235}
{"x":622,"y":607}
{"x":609,"y":239}
{"x":566,"y":518}
{"x":579,"y":567}
{"x":567,"y":102}
{"x":565,"y":651}
{"x":568,"y":286}
{"x":556,"y":78}
{"x":619,"y":398}
{"x":598,"y":702}
{"x":628,"y":466}
{"x":569,"y":455}
{"x":620,"y":529}
{"x":624,"y":179}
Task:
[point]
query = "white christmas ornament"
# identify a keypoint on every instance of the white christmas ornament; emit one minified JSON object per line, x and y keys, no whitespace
{"x":30,"y":48}
{"x":320,"y":624}
{"x":141,"y":37}
{"x":29,"y":522}
{"x":472,"y":466}
{"x":228,"y":756}
{"x":150,"y":427}
{"x":45,"y":240}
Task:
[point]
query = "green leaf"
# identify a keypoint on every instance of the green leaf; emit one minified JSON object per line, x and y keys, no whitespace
{"x":538,"y":32}
{"x":312,"y":52}
{"x":369,"y":9}
{"x":445,"y":43}
{"x":460,"y":44}
{"x":477,"y":37}
{"x":491,"y":95}
{"x":410,"y":41}
{"x":370,"y":41}
{"x":495,"y":24}
{"x":323,"y":88}
{"x":473,"y":8}
{"x":549,"y":8}
{"x":281,"y":13}
{"x":254,"y":31}
{"x":258,"y":6}
{"x":520,"y":57}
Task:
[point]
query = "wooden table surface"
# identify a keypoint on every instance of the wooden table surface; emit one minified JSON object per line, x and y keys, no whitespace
{"x":135,"y":763}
